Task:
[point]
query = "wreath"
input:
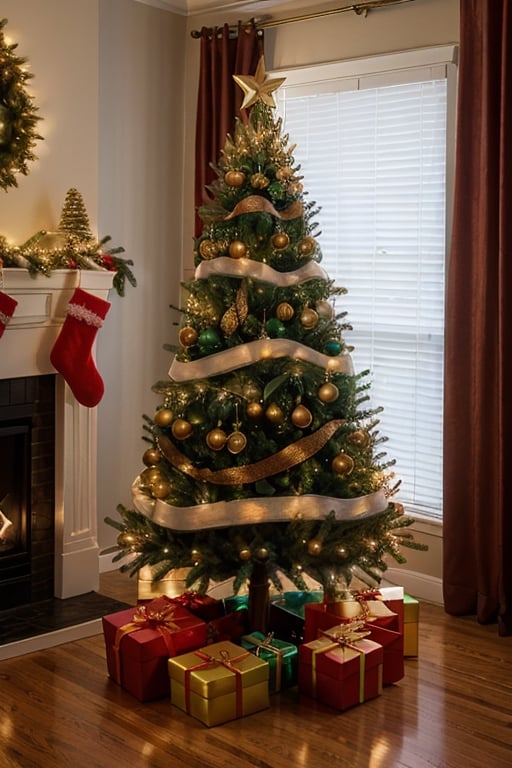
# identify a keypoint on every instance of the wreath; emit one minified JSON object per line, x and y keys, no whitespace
{"x":18,"y":118}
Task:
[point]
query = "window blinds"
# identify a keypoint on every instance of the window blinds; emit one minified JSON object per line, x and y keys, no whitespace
{"x":374,"y":160}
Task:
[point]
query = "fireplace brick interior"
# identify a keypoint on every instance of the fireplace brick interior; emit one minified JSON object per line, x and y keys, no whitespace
{"x":27,"y":489}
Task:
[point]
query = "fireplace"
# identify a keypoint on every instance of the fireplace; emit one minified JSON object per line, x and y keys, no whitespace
{"x":48,"y":521}
{"x":27,"y":490}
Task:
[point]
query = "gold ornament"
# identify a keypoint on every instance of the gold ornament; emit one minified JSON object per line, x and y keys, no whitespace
{"x":126,"y":539}
{"x":284,"y":311}
{"x":207,"y":249}
{"x":187,"y":336}
{"x":341,"y":552}
{"x":251,"y":391}
{"x":280,"y":241}
{"x":151,"y":457}
{"x":359,"y":438}
{"x":245,"y":553}
{"x":229,"y":321}
{"x":284,"y":173}
{"x":274,"y":414}
{"x":259,"y":181}
{"x":237,"y":249}
{"x":328,"y":392}
{"x":161,"y":489}
{"x":236,"y":442}
{"x":301,"y":417}
{"x":308,"y":318}
{"x":216,"y":439}
{"x":234,"y":178}
{"x":254,"y":410}
{"x":342,"y":465}
{"x":262,"y":553}
{"x":163,"y":417}
{"x":181,"y":429}
{"x":314,"y":547}
{"x":150,"y":476}
{"x":307,"y":246}
{"x":324,"y":309}
{"x":196,"y":555}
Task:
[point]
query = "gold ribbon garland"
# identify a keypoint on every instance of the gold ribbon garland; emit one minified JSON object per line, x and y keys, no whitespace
{"x":288,"y":457}
{"x":259,"y":204}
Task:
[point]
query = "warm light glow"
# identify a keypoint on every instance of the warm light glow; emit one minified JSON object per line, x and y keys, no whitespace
{"x":266,"y":352}
{"x":333,"y":364}
{"x":379,"y":757}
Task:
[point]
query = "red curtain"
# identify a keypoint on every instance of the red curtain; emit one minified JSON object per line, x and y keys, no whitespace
{"x":478,"y":375}
{"x":223,"y":54}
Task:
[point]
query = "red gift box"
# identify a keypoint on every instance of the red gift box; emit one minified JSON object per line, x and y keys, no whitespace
{"x":385,"y":624}
{"x":341,"y":668}
{"x":204,"y":606}
{"x":139,"y":641}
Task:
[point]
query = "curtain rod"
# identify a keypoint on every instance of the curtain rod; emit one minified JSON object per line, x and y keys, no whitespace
{"x":359,"y":8}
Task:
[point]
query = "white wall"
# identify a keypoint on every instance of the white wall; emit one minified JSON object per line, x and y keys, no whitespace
{"x":141,"y":55}
{"x":108,"y":81}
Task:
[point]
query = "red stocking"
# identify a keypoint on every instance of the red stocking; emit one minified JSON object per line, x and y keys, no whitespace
{"x":7,"y":307}
{"x":72,"y":352}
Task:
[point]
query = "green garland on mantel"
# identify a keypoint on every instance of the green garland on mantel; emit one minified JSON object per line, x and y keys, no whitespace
{"x":71,"y":246}
{"x":18,"y":118}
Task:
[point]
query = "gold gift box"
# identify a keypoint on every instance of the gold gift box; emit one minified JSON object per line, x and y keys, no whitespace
{"x":219,"y":682}
{"x":411,"y":619}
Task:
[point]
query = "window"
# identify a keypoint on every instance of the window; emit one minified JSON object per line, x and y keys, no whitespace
{"x":375,"y":138}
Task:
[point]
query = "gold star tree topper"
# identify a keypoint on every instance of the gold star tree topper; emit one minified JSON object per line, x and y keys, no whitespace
{"x":258,"y":87}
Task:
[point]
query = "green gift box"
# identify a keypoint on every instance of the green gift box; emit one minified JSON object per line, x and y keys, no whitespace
{"x":287,"y":614}
{"x":281,"y":656}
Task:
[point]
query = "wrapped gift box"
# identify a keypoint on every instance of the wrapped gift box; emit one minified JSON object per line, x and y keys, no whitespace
{"x":339,"y":669}
{"x":138,"y":642}
{"x":229,"y":627}
{"x":411,"y":624}
{"x":204,"y":606}
{"x":287,"y":611}
{"x":281,"y":656}
{"x":219,"y":682}
{"x":384,"y":624}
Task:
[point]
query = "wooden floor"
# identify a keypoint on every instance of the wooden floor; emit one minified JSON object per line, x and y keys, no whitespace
{"x":453,"y":709}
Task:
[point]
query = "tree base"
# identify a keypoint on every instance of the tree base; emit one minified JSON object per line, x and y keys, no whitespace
{"x":259,"y":599}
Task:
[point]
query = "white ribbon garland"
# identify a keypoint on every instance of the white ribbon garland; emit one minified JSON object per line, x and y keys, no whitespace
{"x":246,"y":354}
{"x":281,"y":509}
{"x":223,"y":265}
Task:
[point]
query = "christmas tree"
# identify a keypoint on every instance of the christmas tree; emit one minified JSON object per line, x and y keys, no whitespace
{"x":264,"y":460}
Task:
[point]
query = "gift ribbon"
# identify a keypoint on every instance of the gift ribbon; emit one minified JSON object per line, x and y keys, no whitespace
{"x":345,"y":636}
{"x":266,"y":645}
{"x":224,"y":659}
{"x":162,"y":620}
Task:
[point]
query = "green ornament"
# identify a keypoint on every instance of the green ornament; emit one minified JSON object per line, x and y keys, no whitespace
{"x":209,"y":340}
{"x":275,"y":328}
{"x":332,"y":348}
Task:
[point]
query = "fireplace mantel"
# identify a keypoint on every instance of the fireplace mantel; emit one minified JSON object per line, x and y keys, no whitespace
{"x":25,"y":351}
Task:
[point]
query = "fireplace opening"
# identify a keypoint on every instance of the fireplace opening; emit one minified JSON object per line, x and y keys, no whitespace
{"x":27,"y":490}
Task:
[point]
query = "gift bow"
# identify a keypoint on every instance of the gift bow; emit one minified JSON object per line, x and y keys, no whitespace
{"x":346,"y":636}
{"x":146,"y":617}
{"x":266,"y":645}
{"x":226,"y":660}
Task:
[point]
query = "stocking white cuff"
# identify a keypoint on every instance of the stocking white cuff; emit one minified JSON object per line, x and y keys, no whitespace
{"x":79,"y":312}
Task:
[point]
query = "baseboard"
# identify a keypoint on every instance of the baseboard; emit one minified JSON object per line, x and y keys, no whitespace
{"x":419,"y":585}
